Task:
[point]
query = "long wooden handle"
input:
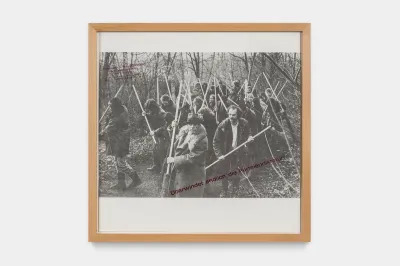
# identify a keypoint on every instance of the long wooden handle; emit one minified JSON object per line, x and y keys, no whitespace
{"x":169,"y":90}
{"x":108,"y":107}
{"x":255,"y":83}
{"x":205,"y":95}
{"x":141,"y":107}
{"x":238,"y":147}
{"x":174,"y":128}
{"x":226,"y":109}
{"x":216,"y":101}
{"x":158,"y":93}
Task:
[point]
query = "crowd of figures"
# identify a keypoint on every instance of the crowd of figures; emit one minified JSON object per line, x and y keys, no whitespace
{"x":213,"y":128}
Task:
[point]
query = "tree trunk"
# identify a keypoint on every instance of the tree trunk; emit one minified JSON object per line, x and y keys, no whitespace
{"x":104,"y":92}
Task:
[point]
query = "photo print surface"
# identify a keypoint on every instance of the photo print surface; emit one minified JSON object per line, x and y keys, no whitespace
{"x":199,"y":124}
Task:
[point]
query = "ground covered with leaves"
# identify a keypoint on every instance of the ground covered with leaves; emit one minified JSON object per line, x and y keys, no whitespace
{"x":273,"y":180}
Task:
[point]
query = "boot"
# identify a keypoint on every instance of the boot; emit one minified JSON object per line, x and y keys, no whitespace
{"x":121,"y":182}
{"x":135,"y":180}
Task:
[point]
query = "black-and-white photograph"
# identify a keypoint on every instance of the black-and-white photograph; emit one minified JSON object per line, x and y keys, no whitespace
{"x":194,"y":125}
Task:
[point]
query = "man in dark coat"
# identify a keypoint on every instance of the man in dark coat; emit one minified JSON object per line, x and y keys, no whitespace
{"x":156,"y":117}
{"x":117,"y":136}
{"x":273,"y":111}
{"x":190,"y":158}
{"x":236,"y":94}
{"x":219,"y":110}
{"x":251,"y":118}
{"x":165,"y":132}
{"x":167,"y":104}
{"x":275,"y":139}
{"x":256,"y":107}
{"x":230,"y":133}
{"x":280,"y":110}
{"x":249,"y":115}
{"x":184,"y":111}
{"x":260,"y":141}
{"x":208,"y":120}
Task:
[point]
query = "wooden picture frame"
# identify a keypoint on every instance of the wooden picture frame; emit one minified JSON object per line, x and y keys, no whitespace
{"x":305,"y":186}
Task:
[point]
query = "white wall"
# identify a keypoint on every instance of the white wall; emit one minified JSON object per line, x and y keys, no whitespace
{"x":355,"y":131}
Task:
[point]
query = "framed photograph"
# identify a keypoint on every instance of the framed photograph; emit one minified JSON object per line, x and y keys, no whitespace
{"x":199,"y":132}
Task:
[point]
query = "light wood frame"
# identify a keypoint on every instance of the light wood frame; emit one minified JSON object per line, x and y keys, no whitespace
{"x":305,"y":198}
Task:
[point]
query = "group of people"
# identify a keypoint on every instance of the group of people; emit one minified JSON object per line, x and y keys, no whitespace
{"x":210,"y":123}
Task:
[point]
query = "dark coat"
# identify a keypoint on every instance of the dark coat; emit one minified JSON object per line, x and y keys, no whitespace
{"x":272,"y":113}
{"x":233,"y":98}
{"x":251,"y":118}
{"x":221,"y":112}
{"x":159,"y":125}
{"x":222,"y":142}
{"x":210,"y":125}
{"x":258,"y":111}
{"x":117,"y":134}
{"x":190,"y":156}
{"x":272,"y":116}
{"x":169,"y":108}
{"x":185,"y":110}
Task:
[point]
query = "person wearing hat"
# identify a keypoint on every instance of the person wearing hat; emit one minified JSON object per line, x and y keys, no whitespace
{"x":117,"y":137}
{"x":190,"y":158}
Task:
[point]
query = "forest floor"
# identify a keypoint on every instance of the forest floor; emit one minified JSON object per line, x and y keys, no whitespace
{"x":263,"y":182}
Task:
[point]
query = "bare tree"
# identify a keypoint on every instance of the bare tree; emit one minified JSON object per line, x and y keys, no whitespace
{"x":195,"y":63}
{"x":104,"y":92}
{"x":287,"y":76}
{"x":248,"y":62}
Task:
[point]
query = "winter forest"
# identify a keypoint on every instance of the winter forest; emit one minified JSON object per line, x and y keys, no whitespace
{"x":202,"y":75}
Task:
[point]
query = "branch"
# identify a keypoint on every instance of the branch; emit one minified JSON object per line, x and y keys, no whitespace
{"x":281,"y":70}
{"x":241,"y":58}
{"x":297,"y":75}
